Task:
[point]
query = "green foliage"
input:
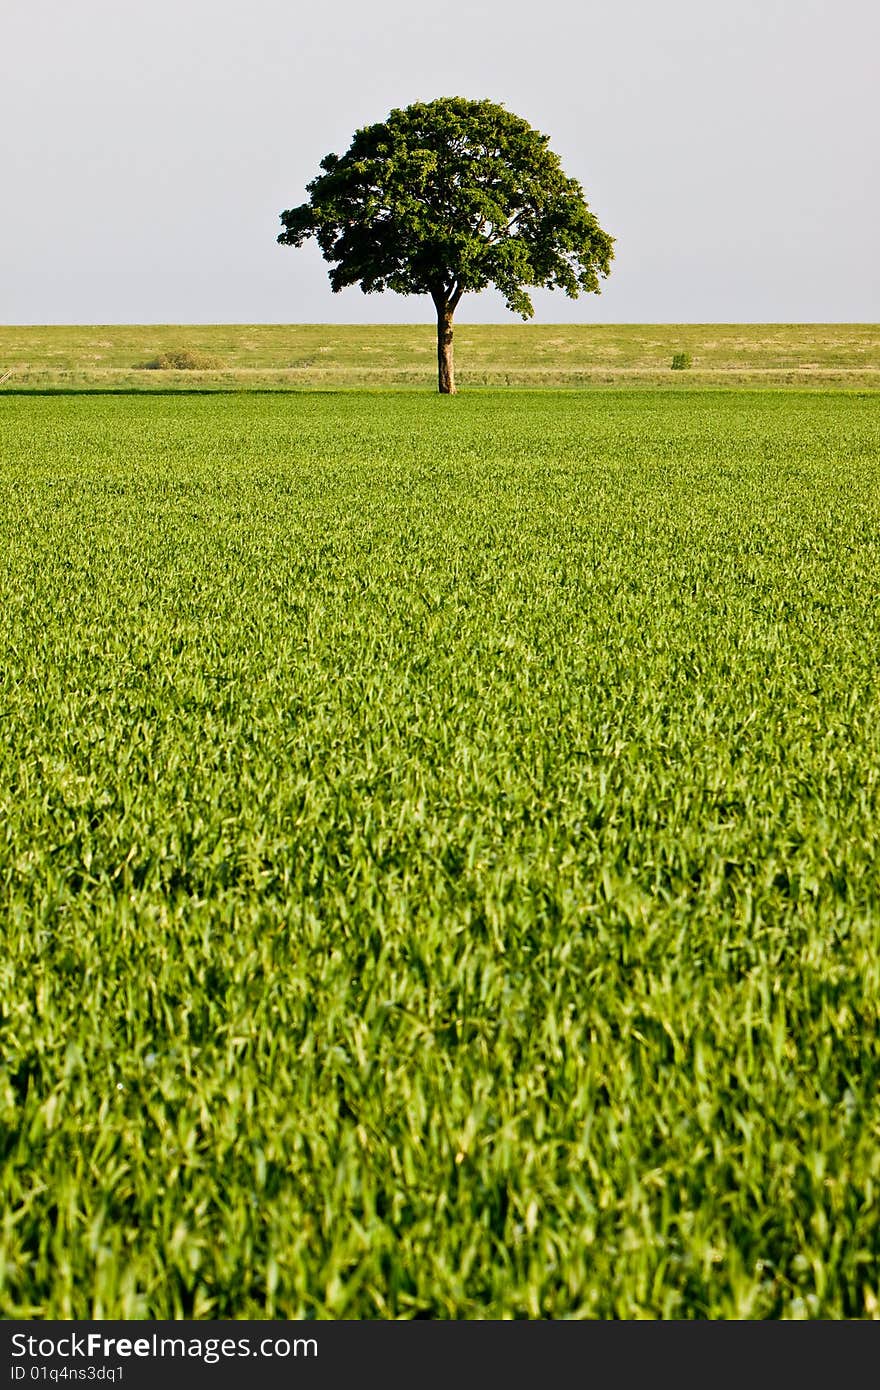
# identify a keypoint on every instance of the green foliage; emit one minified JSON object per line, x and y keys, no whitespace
{"x":438,"y":856}
{"x":681,"y":361}
{"x":183,"y":360}
{"x":446,"y":197}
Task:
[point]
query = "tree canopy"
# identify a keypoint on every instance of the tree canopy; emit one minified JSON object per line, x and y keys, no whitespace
{"x":445,"y":198}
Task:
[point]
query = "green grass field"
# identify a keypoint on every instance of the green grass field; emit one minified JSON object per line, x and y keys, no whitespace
{"x":438,"y":854}
{"x":313,"y":356}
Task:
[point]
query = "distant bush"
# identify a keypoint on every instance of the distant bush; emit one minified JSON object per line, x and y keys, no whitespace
{"x":182,"y":360}
{"x":681,"y":361}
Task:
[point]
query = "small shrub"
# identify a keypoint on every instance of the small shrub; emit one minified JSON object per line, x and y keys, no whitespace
{"x":182,"y":360}
{"x":681,"y":361}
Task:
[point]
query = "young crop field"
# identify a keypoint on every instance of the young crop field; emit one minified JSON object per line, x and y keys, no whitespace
{"x":439,"y":861}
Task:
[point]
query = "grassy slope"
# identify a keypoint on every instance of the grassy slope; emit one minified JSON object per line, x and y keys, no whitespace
{"x":516,"y":354}
{"x":438,"y":861}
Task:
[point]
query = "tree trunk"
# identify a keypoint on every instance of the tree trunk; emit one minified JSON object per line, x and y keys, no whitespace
{"x":445,"y":365}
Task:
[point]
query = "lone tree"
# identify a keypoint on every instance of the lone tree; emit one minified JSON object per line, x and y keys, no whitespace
{"x":446,"y":197}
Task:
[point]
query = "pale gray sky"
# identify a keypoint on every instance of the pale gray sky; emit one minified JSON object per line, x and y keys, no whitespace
{"x":731,"y":147}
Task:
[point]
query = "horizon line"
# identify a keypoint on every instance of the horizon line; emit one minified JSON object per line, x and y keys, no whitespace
{"x":430,"y":323}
